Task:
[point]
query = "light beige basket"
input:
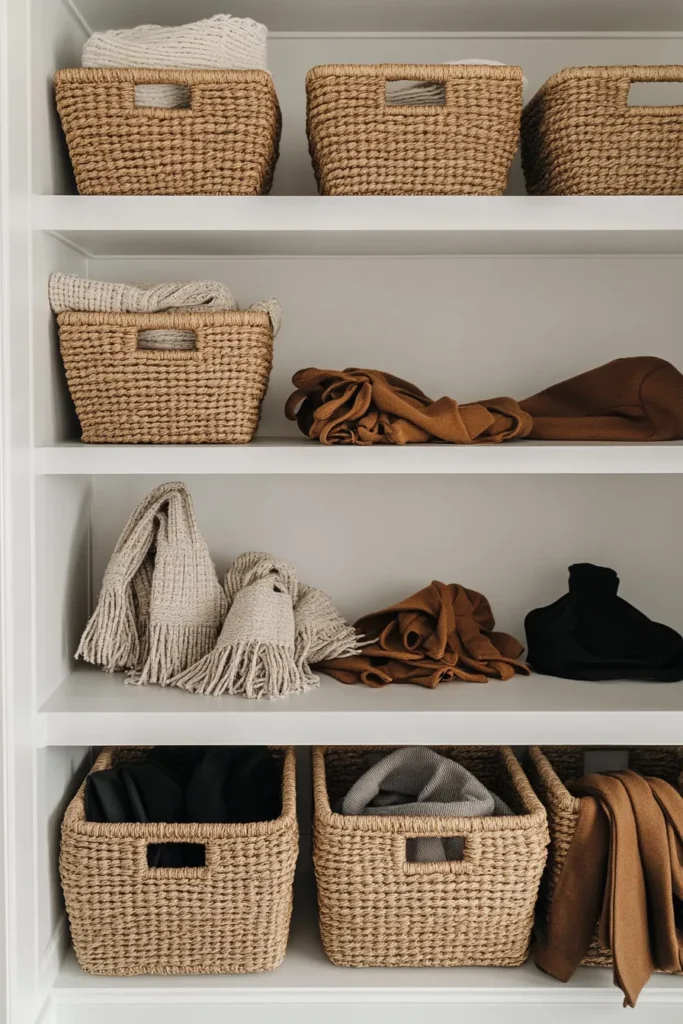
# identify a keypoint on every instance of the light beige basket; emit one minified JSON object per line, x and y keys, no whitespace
{"x":362,"y":145}
{"x":580,"y":136}
{"x":224,"y":144}
{"x":549,"y":769}
{"x":126,"y":395}
{"x":379,"y":910}
{"x":229,"y":917}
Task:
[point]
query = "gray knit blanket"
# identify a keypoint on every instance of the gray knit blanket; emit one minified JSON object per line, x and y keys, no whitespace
{"x":419,"y":782}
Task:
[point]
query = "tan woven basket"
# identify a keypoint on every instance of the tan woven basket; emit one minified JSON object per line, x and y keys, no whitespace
{"x":126,"y":395}
{"x":549,"y":769}
{"x":378,"y":910}
{"x":224,"y":144}
{"x":580,"y":136}
{"x":362,"y":145}
{"x":229,"y":917}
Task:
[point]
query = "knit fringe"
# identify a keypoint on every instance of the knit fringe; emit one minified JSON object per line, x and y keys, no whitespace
{"x":336,"y":640}
{"x":251,"y":669}
{"x":171,"y":650}
{"x":111,"y":638}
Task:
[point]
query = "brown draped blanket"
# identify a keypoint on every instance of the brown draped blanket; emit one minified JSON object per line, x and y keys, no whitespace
{"x":635,"y":399}
{"x":443,"y":632}
{"x":370,"y":407}
{"x":623,"y":870}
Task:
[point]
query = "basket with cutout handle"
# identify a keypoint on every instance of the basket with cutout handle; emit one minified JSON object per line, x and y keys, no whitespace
{"x":224,"y":143}
{"x":229,"y":915}
{"x":209,"y":393}
{"x":582,"y":135}
{"x":363,"y":144}
{"x":378,"y":908}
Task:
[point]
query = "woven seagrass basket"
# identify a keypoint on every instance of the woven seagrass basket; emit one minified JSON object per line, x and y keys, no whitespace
{"x":549,"y":769}
{"x":210,"y":394}
{"x":229,"y":917}
{"x":362,"y":145}
{"x":224,"y":144}
{"x":580,"y":136}
{"x":379,"y":910}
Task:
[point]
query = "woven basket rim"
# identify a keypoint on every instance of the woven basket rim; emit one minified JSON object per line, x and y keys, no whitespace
{"x":415,"y":72}
{"x":612,"y":72}
{"x":151,"y":76}
{"x":74,"y":822}
{"x":393,"y":823}
{"x":169,"y":321}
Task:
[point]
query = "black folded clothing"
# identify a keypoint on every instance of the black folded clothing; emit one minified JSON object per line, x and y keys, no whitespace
{"x":188,"y":784}
{"x":593,"y":634}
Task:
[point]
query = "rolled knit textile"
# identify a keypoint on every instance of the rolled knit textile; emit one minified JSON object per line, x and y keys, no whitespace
{"x":275,"y":628}
{"x":365,"y":407}
{"x":428,"y":93}
{"x":439,"y":787}
{"x":443,"y":632}
{"x":67,"y":292}
{"x":218,"y":42}
{"x":161,"y":605}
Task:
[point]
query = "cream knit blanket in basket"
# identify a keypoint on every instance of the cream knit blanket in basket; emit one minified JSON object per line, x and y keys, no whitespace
{"x":69,"y":292}
{"x":220,"y":42}
{"x":161,"y":607}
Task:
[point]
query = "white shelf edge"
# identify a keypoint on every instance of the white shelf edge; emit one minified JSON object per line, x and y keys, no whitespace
{"x":299,"y":456}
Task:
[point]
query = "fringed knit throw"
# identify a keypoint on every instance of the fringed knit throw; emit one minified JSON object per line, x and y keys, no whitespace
{"x":161,"y":605}
{"x":218,"y":42}
{"x":275,"y":629}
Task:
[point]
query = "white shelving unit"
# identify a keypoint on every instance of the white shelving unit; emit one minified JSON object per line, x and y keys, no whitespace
{"x":469,"y":297}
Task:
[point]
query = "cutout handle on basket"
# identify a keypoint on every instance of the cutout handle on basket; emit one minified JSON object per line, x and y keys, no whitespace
{"x":168,"y":856}
{"x":167,"y":340}
{"x":415,"y":93}
{"x":165,"y":96}
{"x":426,"y":855}
{"x":656,"y":94}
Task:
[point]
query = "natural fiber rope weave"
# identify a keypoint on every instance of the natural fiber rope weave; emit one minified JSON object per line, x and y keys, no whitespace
{"x":362,"y":145}
{"x":224,"y":143}
{"x":378,"y":910}
{"x":229,"y":917}
{"x":580,"y":136}
{"x":549,"y":769}
{"x":126,"y":395}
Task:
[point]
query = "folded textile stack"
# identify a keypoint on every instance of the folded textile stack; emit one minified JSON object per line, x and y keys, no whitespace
{"x":441,"y":633}
{"x":427,"y":93}
{"x":634,"y":399}
{"x":161,"y":608}
{"x":622,"y":875}
{"x":591,"y":633}
{"x":221,"y":42}
{"x":67,"y":292}
{"x":419,"y":782}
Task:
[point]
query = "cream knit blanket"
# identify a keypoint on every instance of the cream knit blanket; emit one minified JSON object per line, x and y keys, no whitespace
{"x":418,"y":94}
{"x":275,"y":629}
{"x":69,"y":292}
{"x":218,"y":42}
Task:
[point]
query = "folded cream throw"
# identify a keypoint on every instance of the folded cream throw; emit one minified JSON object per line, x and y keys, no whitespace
{"x":67,"y":292}
{"x":275,"y":629}
{"x":218,"y":42}
{"x":161,"y":605}
{"x":419,"y":782}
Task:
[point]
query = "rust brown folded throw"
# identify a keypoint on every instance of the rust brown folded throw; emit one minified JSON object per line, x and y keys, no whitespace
{"x":370,"y":407}
{"x":622,"y":871}
{"x":637,"y":399}
{"x":443,"y":632}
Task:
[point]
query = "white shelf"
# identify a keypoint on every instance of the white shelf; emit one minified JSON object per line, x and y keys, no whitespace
{"x":311,"y":225}
{"x":93,"y":709}
{"x":301,"y":456}
{"x":308,"y":987}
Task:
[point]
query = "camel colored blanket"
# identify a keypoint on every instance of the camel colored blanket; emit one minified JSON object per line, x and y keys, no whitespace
{"x":624,"y":875}
{"x":443,"y":632}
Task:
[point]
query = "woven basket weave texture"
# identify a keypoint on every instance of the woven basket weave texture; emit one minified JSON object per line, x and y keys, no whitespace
{"x":224,"y":143}
{"x":549,"y":769}
{"x":125,"y":394}
{"x":580,"y":136}
{"x":361,"y":145}
{"x":376,"y":909}
{"x":229,"y":917}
